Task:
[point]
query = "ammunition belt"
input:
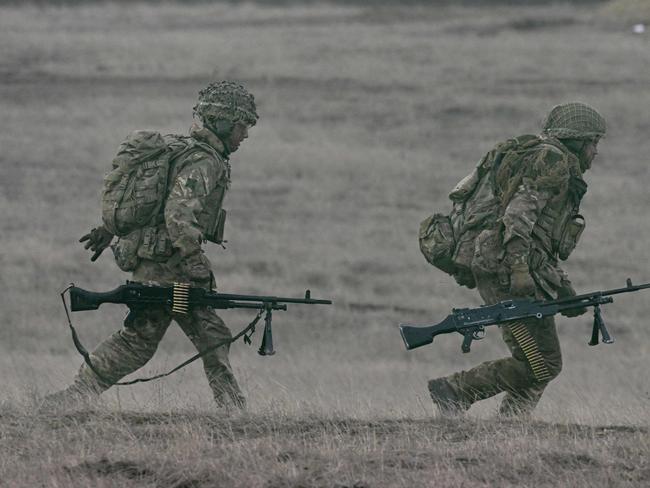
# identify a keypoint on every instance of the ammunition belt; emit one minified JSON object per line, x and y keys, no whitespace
{"x":528,"y":345}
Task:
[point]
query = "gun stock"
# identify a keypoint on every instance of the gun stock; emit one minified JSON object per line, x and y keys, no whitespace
{"x":415,"y":336}
{"x":82,"y":300}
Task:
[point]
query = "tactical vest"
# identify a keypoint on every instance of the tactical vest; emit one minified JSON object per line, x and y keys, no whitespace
{"x":560,"y":225}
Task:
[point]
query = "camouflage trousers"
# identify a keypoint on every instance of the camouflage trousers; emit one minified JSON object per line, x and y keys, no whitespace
{"x":535,"y":360}
{"x":132,"y":347}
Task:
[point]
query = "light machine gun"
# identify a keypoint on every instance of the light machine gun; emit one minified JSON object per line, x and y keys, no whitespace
{"x":471,"y":322}
{"x":179,"y":298}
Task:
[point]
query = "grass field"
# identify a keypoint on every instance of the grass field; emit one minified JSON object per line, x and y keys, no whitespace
{"x":368,"y":116}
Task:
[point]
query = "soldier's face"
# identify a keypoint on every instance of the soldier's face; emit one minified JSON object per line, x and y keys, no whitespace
{"x":589,"y":151}
{"x":238,"y":134}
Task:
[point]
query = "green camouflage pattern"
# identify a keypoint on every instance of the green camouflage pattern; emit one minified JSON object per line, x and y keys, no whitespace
{"x":132,"y":346}
{"x":135,"y":188}
{"x":169,"y":252}
{"x":196,"y":195}
{"x":546,"y":190}
{"x":574,"y":120}
{"x":540,"y":187}
{"x":513,"y":375}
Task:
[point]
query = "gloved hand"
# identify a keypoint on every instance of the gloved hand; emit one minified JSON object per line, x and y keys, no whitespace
{"x":197,"y":268}
{"x":522,"y":283}
{"x":566,"y":291}
{"x":98,"y":240}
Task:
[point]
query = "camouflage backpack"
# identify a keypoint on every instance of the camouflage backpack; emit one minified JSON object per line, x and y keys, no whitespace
{"x":448,"y":241}
{"x":135,"y":189}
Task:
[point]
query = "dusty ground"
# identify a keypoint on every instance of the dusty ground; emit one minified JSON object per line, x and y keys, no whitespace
{"x":368,"y":118}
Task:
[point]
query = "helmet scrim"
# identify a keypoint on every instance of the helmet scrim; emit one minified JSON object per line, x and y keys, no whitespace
{"x":574,"y":120}
{"x":226,"y":100}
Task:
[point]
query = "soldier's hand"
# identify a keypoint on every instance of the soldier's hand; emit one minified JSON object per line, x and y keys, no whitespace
{"x":567,"y":291}
{"x":197,"y":268}
{"x":97,"y":240}
{"x":522,"y":283}
{"x":574,"y":312}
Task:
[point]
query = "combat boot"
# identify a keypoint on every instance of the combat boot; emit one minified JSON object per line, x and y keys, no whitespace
{"x":446,"y":399}
{"x":68,"y":400}
{"x":230,"y":400}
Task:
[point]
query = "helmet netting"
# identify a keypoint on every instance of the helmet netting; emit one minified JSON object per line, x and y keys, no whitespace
{"x":574,"y":120}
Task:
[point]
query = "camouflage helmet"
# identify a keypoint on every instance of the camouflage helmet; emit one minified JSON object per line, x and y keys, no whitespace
{"x":574,"y":120}
{"x":226,"y":100}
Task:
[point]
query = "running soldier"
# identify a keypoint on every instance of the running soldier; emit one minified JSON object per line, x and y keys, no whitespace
{"x":538,"y":184}
{"x":168,"y":249}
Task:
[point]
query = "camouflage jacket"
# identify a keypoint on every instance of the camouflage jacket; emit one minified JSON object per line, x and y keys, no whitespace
{"x":541,"y":194}
{"x":193,"y":211}
{"x":192,"y":214}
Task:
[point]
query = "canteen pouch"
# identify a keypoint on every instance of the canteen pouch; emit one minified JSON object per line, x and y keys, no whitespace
{"x":570,"y":236}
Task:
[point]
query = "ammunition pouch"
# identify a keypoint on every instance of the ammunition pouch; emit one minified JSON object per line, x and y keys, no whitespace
{"x":215,"y":227}
{"x":570,"y":236}
{"x":155,"y":244}
{"x":125,"y":250}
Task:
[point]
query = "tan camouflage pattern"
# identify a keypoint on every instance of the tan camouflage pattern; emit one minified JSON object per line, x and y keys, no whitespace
{"x":546,"y":182}
{"x":197,"y":192}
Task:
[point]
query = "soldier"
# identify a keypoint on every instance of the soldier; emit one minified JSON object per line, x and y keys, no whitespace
{"x":538,"y":187}
{"x":172,"y":252}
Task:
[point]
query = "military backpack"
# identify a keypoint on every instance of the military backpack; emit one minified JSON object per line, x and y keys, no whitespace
{"x":447,"y":241}
{"x":135,"y":190}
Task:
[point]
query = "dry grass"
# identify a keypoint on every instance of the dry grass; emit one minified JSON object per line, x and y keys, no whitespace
{"x":193,"y":449}
{"x":368,"y":117}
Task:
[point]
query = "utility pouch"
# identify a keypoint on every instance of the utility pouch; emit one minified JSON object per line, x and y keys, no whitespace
{"x":155,"y":244}
{"x":125,"y":250}
{"x":437,"y":242}
{"x":570,"y":236}
{"x":214,"y":232}
{"x":465,"y":187}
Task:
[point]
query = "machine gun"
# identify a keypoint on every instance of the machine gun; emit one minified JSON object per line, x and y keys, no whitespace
{"x":471,"y":322}
{"x":179,"y":298}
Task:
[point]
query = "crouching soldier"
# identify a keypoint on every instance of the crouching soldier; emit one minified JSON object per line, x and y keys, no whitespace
{"x":535,"y":188}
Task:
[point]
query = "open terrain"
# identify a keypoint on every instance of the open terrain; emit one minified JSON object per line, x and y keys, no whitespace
{"x":368,"y":116}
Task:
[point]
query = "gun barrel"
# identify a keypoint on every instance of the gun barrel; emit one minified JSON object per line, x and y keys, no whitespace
{"x":606,"y":293}
{"x":266,"y":299}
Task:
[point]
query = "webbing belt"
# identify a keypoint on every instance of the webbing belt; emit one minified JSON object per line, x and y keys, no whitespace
{"x":531,"y":351}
